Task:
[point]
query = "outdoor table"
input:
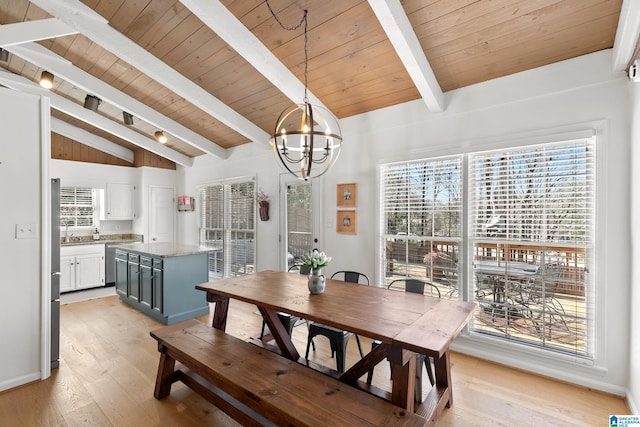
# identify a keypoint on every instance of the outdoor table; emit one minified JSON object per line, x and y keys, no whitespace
{"x":498,"y":271}
{"x":405,"y":324}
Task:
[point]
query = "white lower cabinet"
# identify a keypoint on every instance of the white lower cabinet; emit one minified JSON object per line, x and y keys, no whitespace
{"x":81,"y":267}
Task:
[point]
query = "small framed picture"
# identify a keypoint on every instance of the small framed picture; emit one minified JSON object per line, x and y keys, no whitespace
{"x":347,"y":222}
{"x":347,"y":195}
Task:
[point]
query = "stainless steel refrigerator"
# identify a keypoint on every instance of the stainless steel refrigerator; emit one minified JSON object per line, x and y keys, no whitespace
{"x":55,"y":273}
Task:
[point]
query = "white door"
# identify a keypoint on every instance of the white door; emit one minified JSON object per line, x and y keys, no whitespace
{"x":161,"y":214}
{"x":300,"y":223}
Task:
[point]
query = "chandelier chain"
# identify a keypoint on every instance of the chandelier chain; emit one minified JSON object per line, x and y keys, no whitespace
{"x":293,"y":28}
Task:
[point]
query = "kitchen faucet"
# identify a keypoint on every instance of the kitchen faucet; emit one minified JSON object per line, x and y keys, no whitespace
{"x":66,"y":232}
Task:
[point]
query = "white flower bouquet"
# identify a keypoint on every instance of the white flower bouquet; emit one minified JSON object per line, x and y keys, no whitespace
{"x":316,"y":260}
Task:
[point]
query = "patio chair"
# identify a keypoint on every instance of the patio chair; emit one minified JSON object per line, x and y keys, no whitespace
{"x":542,"y":294}
{"x":418,"y":287}
{"x":444,"y":272}
{"x":338,"y":339}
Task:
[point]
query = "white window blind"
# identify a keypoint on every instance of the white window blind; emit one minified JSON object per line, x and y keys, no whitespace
{"x":421,"y":228}
{"x":530,"y":235}
{"x":77,"y":206}
{"x":227,"y":223}
{"x":531,"y":229}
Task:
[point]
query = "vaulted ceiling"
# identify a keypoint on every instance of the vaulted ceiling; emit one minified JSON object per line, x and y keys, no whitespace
{"x":216,"y":74}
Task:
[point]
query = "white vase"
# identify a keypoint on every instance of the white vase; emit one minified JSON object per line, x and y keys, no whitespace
{"x":316,"y":281}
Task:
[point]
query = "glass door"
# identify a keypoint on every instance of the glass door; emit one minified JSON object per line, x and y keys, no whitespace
{"x":299,"y":236}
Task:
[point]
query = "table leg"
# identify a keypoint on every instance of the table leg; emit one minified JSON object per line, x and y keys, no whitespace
{"x":279,"y":333}
{"x":403,"y":366}
{"x":443,"y":377}
{"x":166,"y":368}
{"x":220,"y":314}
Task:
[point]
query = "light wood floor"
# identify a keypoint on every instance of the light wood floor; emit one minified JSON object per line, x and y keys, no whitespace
{"x":109,"y":363}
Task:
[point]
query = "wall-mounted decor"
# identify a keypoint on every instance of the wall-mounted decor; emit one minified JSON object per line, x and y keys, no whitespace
{"x":347,"y":222}
{"x":263,"y":205}
{"x":186,"y":204}
{"x":347,"y":195}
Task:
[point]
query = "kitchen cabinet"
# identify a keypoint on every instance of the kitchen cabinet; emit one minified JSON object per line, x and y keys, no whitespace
{"x":122,"y":272}
{"x":81,"y":267}
{"x":159,"y":279}
{"x":133,"y":281}
{"x":120,"y":202}
{"x":146,"y":281}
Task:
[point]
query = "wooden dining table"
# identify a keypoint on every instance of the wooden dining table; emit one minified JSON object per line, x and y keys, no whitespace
{"x":405,"y":324}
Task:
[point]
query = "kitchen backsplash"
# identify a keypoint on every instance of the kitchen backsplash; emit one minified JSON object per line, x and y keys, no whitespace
{"x":104,"y":238}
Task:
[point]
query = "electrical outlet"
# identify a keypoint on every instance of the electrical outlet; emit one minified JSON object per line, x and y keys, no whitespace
{"x":26,"y":231}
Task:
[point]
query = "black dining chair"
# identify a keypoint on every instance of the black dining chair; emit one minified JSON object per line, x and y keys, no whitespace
{"x":418,"y":287}
{"x":338,"y":339}
{"x":288,"y":320}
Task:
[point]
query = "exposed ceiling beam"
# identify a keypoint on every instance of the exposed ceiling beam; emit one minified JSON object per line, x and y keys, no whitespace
{"x":626,"y":40}
{"x":44,"y":58}
{"x":97,"y":29}
{"x":396,"y":25}
{"x":30,"y":31}
{"x":218,"y":18}
{"x":79,"y":112}
{"x":87,"y":138}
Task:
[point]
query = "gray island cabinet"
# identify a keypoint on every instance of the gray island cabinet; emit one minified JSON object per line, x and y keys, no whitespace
{"x":159,"y":279}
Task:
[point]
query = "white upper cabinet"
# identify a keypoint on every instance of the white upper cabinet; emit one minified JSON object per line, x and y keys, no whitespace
{"x":120,"y":204}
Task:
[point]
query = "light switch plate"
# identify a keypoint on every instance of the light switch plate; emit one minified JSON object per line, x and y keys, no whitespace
{"x":26,"y":231}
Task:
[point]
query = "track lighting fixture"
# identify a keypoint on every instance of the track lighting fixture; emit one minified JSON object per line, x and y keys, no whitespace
{"x":127,"y":118}
{"x":160,"y":136}
{"x":92,"y":102}
{"x":46,"y":80}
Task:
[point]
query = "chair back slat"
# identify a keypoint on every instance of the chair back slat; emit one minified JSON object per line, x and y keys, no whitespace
{"x":415,"y":286}
{"x":351,"y":276}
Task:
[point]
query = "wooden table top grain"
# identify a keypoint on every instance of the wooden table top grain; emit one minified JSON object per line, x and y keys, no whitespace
{"x":411,"y":321}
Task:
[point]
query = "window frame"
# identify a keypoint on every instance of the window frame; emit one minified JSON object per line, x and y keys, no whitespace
{"x":222,"y":260}
{"x":486,"y":345}
{"x":75,"y":206}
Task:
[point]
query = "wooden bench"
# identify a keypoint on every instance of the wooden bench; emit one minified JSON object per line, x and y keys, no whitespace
{"x":258,"y":387}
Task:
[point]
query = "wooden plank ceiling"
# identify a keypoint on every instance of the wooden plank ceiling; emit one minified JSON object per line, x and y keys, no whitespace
{"x":353,"y":67}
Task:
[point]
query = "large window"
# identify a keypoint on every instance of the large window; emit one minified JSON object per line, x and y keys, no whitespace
{"x":77,"y":207}
{"x":421,"y":228}
{"x":227,"y":224}
{"x":529,"y":246}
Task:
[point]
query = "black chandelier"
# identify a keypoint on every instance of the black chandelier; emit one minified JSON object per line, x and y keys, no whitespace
{"x":307,"y":138}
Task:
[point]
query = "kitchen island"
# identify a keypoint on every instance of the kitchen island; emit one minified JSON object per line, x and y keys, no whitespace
{"x":159,"y":279}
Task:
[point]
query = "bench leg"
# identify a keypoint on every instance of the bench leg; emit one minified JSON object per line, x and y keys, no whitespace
{"x":164,"y":379}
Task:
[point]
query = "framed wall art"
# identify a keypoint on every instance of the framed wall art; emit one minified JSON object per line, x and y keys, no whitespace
{"x":347,"y":195}
{"x":347,"y":221}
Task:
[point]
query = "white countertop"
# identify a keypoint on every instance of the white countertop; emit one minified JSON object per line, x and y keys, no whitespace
{"x":164,"y":249}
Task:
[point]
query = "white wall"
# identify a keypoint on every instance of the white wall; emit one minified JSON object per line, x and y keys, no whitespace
{"x":244,"y":161}
{"x":634,"y":323}
{"x":94,"y":175}
{"x":570,"y":95}
{"x":21,"y":261}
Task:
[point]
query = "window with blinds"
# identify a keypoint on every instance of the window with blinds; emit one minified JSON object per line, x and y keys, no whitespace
{"x":530,"y":238}
{"x":77,"y":207}
{"x":421,"y":222}
{"x":532,"y":220}
{"x":227,"y":224}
